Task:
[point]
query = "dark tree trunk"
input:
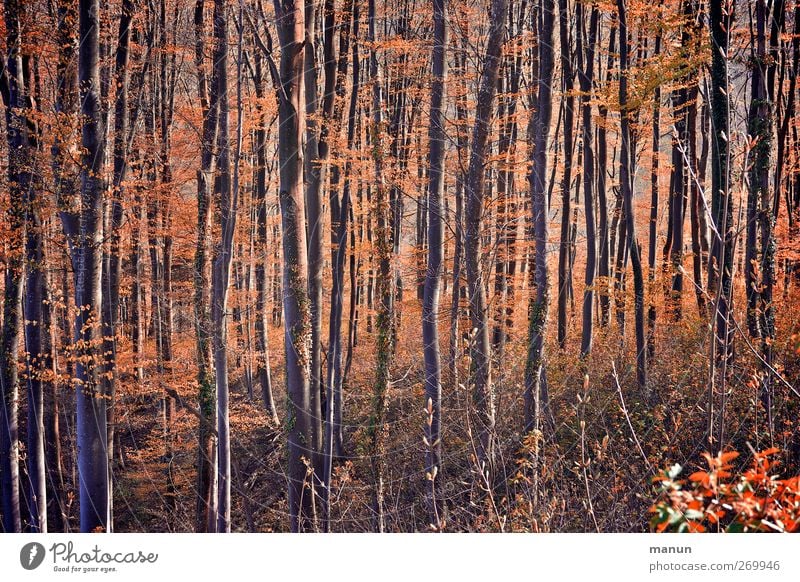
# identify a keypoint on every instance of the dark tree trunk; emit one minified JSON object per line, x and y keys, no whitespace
{"x":720,"y":270}
{"x":680,"y":148}
{"x":207,"y":397}
{"x":604,"y":254}
{"x":586,"y":77}
{"x":340,"y":218}
{"x":567,"y":86}
{"x":626,"y":186}
{"x":653,"y":225}
{"x":535,"y":376}
{"x":263,"y":370}
{"x":65,"y":185}
{"x":91,"y":402}
{"x":315,"y":170}
{"x":20,"y":193}
{"x":430,"y":305}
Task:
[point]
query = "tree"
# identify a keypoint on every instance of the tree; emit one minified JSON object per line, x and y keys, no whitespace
{"x":720,"y":269}
{"x":385,"y":318}
{"x":568,"y":102}
{"x":340,"y":218}
{"x":91,"y":402}
{"x":220,"y":275}
{"x":20,"y":191}
{"x":430,"y":306}
{"x":207,"y":397}
{"x":263,"y":371}
{"x":626,"y":186}
{"x":586,"y":79}
{"x":290,"y":22}
{"x":480,"y":351}
{"x":535,"y":378}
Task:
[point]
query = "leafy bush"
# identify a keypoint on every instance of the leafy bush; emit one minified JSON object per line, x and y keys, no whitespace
{"x":717,"y":500}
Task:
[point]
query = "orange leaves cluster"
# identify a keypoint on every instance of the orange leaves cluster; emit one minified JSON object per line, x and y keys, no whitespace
{"x":719,"y":500}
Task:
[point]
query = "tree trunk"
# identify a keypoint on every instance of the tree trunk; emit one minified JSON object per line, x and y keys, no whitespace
{"x":480,"y":352}
{"x":296,"y":309}
{"x":263,"y":370}
{"x":340,"y":217}
{"x":91,"y":401}
{"x":626,"y":186}
{"x":220,"y":275}
{"x":720,"y":269}
{"x":315,"y":166}
{"x":207,"y":397}
{"x":654,"y":195}
{"x":20,"y":193}
{"x":586,"y":77}
{"x":604,"y":254}
{"x":567,"y":86}
{"x":540,"y":120}
{"x":385,"y":316}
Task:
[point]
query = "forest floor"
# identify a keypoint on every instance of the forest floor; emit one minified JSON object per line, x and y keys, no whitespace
{"x":598,"y":458}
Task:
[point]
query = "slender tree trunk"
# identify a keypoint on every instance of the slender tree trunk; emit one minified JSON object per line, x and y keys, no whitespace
{"x":567,"y":86}
{"x":586,"y":77}
{"x":336,"y":70}
{"x":430,"y":306}
{"x":112,"y":263}
{"x":207,"y":397}
{"x":385,"y":317}
{"x":626,"y":185}
{"x":458,"y":252}
{"x":20,"y":192}
{"x":296,"y":309}
{"x":480,"y":352}
{"x":91,"y":402}
{"x":315,"y":167}
{"x":220,"y":275}
{"x":263,"y":370}
{"x":759,"y":210}
{"x":65,"y":185}
{"x":604,"y":254}
{"x":720,"y":270}
{"x":654,"y":195}
{"x":540,"y":120}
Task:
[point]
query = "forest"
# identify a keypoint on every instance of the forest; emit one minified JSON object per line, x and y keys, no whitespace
{"x":409,"y":266}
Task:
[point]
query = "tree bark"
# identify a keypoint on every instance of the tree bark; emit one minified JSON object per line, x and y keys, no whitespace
{"x":291,"y":26}
{"x":567,"y":87}
{"x":586,"y":78}
{"x":480,"y":351}
{"x":626,"y":185}
{"x":430,"y":305}
{"x":207,"y":396}
{"x":91,"y":401}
